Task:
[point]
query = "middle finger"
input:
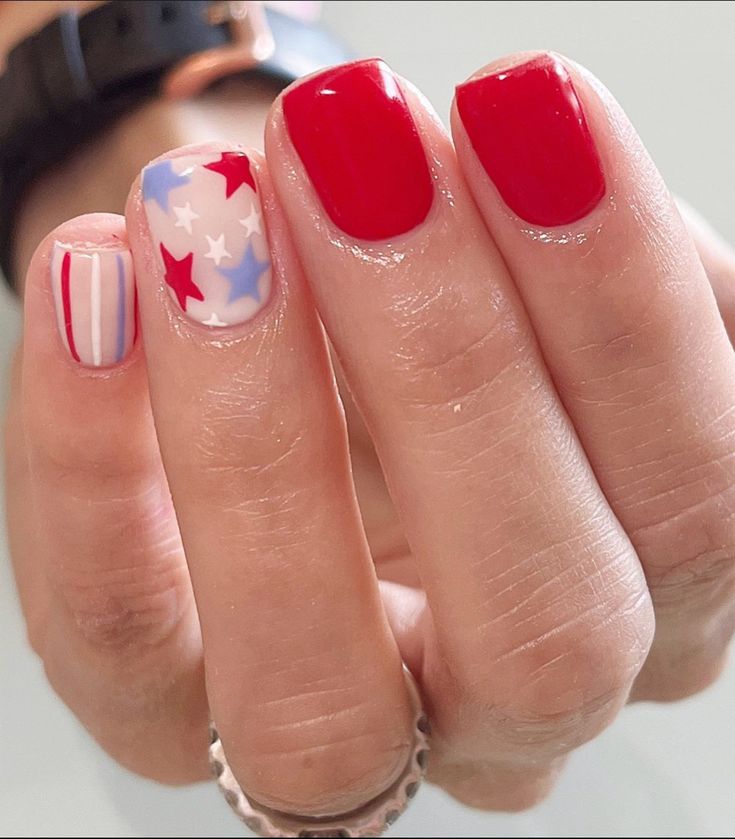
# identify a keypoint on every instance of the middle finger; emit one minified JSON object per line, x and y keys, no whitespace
{"x":539,"y":605}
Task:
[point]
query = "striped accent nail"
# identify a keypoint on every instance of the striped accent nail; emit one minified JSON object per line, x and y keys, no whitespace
{"x":95,"y":297}
{"x":206,"y":223}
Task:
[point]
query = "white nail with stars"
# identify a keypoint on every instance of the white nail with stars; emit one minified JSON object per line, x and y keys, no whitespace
{"x":205,"y":219}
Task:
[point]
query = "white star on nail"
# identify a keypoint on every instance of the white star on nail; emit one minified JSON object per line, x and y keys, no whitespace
{"x":252,"y":222}
{"x":185,"y":216}
{"x":217,"y":250}
{"x":214,"y":321}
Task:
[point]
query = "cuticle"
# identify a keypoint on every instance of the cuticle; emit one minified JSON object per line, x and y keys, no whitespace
{"x":581,"y":232}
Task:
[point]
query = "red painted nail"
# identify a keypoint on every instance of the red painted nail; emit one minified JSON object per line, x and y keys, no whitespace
{"x":528,"y":129}
{"x":356,"y":137}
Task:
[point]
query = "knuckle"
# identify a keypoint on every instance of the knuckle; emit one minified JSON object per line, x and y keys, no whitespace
{"x":256,"y":441}
{"x":672,"y":675}
{"x":435,"y":361}
{"x":271,"y":449}
{"x":564,"y":685}
{"x":682,"y":518}
{"x":701,"y":539}
{"x":128,"y":608}
{"x":703,"y":584}
{"x":101,"y":464}
{"x":505,"y":788}
{"x":71,"y":450}
{"x":331,"y":761}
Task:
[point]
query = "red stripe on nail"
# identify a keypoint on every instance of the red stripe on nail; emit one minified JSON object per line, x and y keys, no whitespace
{"x":66,"y":303}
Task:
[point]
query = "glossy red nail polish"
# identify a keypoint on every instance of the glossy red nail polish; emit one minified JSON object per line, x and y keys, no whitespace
{"x":355,"y":135}
{"x":528,"y":129}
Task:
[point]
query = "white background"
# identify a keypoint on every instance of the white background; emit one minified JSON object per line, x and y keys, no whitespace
{"x":660,"y":771}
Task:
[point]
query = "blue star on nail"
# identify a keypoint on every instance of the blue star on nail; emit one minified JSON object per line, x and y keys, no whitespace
{"x":243,"y":278}
{"x":159,"y":180}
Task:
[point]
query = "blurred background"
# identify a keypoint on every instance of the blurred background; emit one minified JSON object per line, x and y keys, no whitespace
{"x":661,"y":770}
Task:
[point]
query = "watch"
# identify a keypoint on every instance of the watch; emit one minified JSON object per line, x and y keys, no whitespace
{"x":80,"y":72}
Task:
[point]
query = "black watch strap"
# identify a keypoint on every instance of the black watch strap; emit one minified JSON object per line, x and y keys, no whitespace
{"x":79,"y":73}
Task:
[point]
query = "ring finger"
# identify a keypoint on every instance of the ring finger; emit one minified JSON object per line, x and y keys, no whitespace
{"x":304,"y":678}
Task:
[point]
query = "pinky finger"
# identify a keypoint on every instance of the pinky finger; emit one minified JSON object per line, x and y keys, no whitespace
{"x":97,"y":549}
{"x":718,"y":259}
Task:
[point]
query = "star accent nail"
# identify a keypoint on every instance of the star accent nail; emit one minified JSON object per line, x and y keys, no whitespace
{"x":252,"y":222}
{"x":214,"y":256}
{"x":185,"y":216}
{"x":243,"y":278}
{"x":158,"y":180}
{"x":214,"y":321}
{"x":178,"y":277}
{"x":217,"y":250}
{"x":235,"y":168}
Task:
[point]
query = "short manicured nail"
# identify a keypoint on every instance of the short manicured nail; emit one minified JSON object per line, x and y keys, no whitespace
{"x":206,"y":222}
{"x":353,"y":130}
{"x":527,"y":127}
{"x":94,"y":293}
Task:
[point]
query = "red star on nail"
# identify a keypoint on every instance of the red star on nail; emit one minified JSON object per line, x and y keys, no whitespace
{"x":178,"y":277}
{"x":235,"y":166}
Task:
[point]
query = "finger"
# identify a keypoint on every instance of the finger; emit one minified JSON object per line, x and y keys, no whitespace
{"x":303,"y":676}
{"x":629,"y":328}
{"x":20,"y":516}
{"x":718,"y":260}
{"x":539,"y":614}
{"x":479,"y":784}
{"x":119,"y":637}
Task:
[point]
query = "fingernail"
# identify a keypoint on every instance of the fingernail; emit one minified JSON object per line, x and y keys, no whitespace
{"x":94,"y":293}
{"x":206,"y":222}
{"x":528,"y":129}
{"x":353,"y":130}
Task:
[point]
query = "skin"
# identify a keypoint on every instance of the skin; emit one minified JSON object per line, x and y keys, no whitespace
{"x":557,"y":538}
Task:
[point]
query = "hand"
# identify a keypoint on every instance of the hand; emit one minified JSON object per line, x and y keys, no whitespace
{"x":541,"y":366}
